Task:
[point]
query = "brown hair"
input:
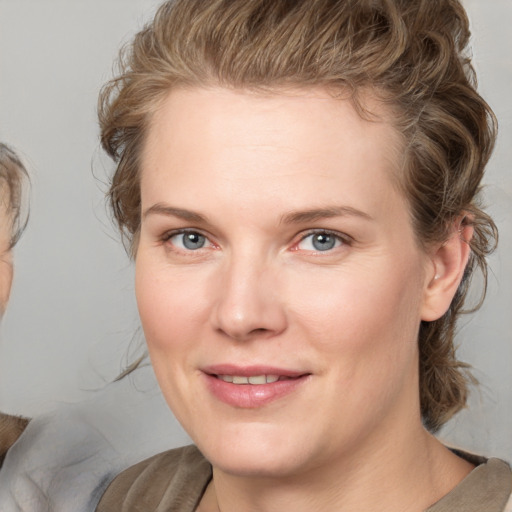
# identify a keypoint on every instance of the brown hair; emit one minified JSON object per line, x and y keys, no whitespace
{"x":13,"y":175}
{"x":411,"y":52}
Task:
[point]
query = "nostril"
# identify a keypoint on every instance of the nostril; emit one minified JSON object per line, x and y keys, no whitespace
{"x":260,"y":330}
{"x":250,"y":334}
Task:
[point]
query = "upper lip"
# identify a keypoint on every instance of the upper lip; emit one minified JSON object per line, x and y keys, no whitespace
{"x":252,"y":370}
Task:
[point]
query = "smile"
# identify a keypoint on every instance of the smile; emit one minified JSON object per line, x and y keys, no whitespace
{"x":252,"y":387}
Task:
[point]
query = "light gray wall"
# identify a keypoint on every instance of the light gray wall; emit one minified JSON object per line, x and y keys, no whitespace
{"x":72,"y":313}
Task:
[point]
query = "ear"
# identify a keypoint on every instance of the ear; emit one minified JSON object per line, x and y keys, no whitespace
{"x":445,"y":274}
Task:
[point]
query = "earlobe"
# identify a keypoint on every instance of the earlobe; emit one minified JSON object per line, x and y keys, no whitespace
{"x":449,"y":261}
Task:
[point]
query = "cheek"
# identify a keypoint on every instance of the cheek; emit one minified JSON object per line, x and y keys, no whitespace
{"x":364,"y":310}
{"x":172,"y":318}
{"x":171,"y":305}
{"x":364,"y":325}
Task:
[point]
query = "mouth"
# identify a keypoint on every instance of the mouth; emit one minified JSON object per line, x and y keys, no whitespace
{"x":253,"y":380}
{"x":252,"y":387}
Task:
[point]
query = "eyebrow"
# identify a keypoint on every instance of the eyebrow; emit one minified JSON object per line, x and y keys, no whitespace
{"x":299,"y":217}
{"x":170,"y":211}
{"x":294,"y":217}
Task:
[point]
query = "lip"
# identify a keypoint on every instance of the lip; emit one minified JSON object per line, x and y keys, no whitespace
{"x":249,"y":396}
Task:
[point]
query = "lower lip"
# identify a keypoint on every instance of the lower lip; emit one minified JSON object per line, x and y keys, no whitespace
{"x":251,"y":396}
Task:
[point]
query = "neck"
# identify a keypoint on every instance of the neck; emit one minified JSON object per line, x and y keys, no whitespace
{"x":409,"y":472}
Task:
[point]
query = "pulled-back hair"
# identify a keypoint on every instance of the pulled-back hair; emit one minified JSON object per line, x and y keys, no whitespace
{"x":410,"y":53}
{"x":13,"y":175}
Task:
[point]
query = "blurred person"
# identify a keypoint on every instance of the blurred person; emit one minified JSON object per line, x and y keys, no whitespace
{"x":13,"y":175}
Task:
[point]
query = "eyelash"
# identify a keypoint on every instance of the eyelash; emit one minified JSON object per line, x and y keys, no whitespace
{"x":341,"y":239}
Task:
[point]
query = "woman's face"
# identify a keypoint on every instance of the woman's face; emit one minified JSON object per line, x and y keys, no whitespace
{"x":277,"y":276}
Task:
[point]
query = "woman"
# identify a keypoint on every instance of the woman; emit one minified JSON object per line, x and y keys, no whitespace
{"x":298,"y":182}
{"x":12,"y":222}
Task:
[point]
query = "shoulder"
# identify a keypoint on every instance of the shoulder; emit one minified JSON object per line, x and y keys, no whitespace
{"x":176,"y":476}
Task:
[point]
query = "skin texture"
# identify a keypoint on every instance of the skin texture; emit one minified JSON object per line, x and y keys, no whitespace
{"x":249,"y":169}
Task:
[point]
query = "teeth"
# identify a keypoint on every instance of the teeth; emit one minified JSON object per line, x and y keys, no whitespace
{"x":254,"y":379}
{"x":258,"y":379}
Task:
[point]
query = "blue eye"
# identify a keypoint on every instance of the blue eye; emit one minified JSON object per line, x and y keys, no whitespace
{"x":320,"y":242}
{"x":189,"y":240}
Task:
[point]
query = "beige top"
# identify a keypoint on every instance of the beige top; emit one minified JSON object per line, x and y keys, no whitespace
{"x":175,"y":481}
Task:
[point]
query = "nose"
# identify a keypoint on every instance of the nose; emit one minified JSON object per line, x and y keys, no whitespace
{"x":248,"y":303}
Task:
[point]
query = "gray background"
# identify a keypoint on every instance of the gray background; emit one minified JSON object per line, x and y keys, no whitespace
{"x":72,"y":321}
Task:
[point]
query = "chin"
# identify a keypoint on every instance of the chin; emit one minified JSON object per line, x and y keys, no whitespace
{"x":264,"y":454}
{"x":243,"y":464}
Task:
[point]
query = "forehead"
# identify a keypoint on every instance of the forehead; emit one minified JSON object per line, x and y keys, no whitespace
{"x":299,"y":142}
